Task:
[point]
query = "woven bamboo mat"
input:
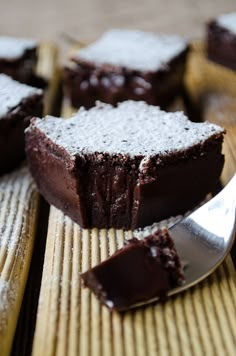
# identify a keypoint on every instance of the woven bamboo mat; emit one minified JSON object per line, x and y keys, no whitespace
{"x":19,"y":208}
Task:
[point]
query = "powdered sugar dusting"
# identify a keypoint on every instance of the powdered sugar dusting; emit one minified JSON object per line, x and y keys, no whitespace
{"x":133,"y":128}
{"x":12,"y":93}
{"x":18,"y":199}
{"x":228,"y":21}
{"x":14,"y":48}
{"x":138,"y":50}
{"x":8,"y":296}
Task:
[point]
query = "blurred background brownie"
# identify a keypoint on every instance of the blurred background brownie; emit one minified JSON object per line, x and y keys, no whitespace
{"x":18,"y":103}
{"x":221,"y":40}
{"x":127,"y":64}
{"x":18,"y":58}
{"x":126,"y":166}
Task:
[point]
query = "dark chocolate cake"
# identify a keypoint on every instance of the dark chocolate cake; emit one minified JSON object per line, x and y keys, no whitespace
{"x":126,"y":166}
{"x":18,"y":58}
{"x":127,"y":65}
{"x":138,"y":272}
{"x":18,"y":103}
{"x":221,"y":40}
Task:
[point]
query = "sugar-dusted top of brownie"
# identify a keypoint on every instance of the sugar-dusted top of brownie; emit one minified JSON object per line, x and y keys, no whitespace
{"x":228,"y":21}
{"x":134,"y":49}
{"x":132,"y":128}
{"x":13,"y":48}
{"x":12,"y":93}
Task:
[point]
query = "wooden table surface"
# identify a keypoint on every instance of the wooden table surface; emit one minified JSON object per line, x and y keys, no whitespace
{"x":48,"y":19}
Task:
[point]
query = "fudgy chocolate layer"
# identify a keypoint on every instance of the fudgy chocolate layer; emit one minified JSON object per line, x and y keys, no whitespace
{"x":87,"y":82}
{"x":141,"y":270}
{"x":12,"y":126}
{"x":21,"y":69}
{"x":221,"y":45}
{"x":110,"y":191}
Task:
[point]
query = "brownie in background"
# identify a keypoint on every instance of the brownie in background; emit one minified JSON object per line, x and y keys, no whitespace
{"x":127,"y":65}
{"x":18,"y":58}
{"x":18,"y":103}
{"x":221,"y":40}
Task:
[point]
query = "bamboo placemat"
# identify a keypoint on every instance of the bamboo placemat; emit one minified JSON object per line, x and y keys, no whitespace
{"x":19,"y":208}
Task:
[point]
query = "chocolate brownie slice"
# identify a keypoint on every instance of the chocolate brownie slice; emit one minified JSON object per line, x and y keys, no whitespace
{"x":126,"y":166}
{"x":18,"y":58}
{"x":127,"y":64}
{"x":18,"y":103}
{"x":137,"y":273}
{"x":221,"y":40}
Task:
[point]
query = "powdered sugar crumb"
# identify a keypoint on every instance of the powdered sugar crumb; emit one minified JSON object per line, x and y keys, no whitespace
{"x":135,"y":49}
{"x":14,"y":48}
{"x":131,"y":129}
{"x":228,"y":21}
{"x":13,"y":92}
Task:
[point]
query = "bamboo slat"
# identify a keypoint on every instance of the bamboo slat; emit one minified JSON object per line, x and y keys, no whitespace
{"x":18,"y":216}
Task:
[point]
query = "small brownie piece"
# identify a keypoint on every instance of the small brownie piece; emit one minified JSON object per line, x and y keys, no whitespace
{"x":126,"y":166}
{"x":18,"y":58}
{"x":137,"y":273}
{"x":127,"y":65}
{"x":18,"y":103}
{"x":221,"y":40}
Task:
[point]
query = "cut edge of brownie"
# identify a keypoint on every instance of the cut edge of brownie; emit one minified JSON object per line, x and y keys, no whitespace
{"x":139,"y":272}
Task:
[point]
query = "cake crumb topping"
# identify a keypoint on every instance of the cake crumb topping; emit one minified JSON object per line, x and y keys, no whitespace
{"x":132,"y":128}
{"x":134,"y":49}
